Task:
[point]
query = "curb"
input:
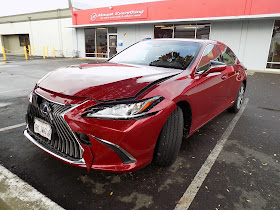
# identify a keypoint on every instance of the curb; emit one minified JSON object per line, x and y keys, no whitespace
{"x":17,"y":194}
{"x":264,"y":71}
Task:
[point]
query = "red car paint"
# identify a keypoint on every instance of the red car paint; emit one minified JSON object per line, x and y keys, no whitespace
{"x":89,"y":84}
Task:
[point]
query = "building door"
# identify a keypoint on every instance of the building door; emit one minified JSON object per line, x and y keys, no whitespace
{"x":27,"y":42}
{"x":90,"y":42}
{"x":101,"y":42}
{"x":112,"y":44}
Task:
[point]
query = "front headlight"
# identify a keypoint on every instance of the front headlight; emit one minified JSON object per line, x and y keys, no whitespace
{"x":30,"y":96}
{"x":124,"y":110}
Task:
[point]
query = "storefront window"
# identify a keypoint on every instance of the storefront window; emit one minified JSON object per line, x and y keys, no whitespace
{"x":112,"y":30}
{"x":90,"y":42}
{"x":101,"y":42}
{"x":203,"y":31}
{"x":164,"y":31}
{"x":96,"y":41}
{"x":196,"y":31}
{"x":185,"y":31}
{"x":273,"y":61}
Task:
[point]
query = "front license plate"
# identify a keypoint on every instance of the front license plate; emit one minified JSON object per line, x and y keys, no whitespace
{"x":43,"y":128}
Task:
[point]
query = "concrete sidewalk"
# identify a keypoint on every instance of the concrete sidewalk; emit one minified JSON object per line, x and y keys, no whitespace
{"x":3,"y":205}
{"x":17,"y":194}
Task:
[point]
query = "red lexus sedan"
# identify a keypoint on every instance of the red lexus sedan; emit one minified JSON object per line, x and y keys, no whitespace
{"x":133,"y":109}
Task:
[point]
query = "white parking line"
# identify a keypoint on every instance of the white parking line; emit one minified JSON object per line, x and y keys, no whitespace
{"x":17,"y":194}
{"x":8,"y":91}
{"x":7,"y":65}
{"x":10,"y":76}
{"x":186,"y":200}
{"x":4,"y":104}
{"x":12,"y":127}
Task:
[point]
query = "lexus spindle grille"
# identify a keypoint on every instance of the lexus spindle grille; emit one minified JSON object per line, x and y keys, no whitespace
{"x":63,"y":141}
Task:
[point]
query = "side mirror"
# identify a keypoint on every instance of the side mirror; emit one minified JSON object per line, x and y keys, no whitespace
{"x":216,"y":66}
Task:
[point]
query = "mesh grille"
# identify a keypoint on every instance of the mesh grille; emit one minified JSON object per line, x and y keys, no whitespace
{"x":63,"y":141}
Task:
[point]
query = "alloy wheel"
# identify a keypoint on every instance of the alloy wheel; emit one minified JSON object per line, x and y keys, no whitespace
{"x":240,"y":97}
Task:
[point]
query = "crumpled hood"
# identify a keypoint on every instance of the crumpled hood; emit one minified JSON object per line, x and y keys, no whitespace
{"x":103,"y":81}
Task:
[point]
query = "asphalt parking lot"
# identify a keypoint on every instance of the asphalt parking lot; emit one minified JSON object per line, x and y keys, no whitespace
{"x":245,"y":174}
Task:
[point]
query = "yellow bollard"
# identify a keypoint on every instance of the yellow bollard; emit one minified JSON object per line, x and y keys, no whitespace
{"x":33,"y":50}
{"x":43,"y":52}
{"x":25,"y":53}
{"x":4,"y":54}
{"x":29,"y":50}
{"x":47,"y":49}
{"x":53,"y":51}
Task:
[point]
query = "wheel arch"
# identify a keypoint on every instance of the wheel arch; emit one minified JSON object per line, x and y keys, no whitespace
{"x":187,"y":114}
{"x":245,"y":83}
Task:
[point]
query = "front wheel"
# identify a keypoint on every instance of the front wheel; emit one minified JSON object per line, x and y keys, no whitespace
{"x":170,"y":139}
{"x":239,"y":99}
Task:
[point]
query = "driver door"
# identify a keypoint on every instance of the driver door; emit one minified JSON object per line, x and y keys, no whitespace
{"x":210,"y":88}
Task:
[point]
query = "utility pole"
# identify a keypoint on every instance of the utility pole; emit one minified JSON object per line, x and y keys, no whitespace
{"x":69,"y":3}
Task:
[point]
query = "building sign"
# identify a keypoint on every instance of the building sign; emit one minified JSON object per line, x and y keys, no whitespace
{"x":119,"y":15}
{"x":167,"y":10}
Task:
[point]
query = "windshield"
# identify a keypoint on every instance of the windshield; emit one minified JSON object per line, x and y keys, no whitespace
{"x":162,"y":53}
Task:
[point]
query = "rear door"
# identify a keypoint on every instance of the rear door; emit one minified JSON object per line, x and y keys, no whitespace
{"x":231,"y":73}
{"x":210,"y":88}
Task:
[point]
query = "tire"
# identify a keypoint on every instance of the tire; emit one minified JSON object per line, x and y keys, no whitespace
{"x":239,"y":99}
{"x":170,"y":139}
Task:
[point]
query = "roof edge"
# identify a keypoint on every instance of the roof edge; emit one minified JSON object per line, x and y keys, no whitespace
{"x":42,"y":15}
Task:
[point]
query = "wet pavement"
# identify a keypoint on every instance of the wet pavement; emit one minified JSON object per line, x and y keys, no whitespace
{"x":245,"y":175}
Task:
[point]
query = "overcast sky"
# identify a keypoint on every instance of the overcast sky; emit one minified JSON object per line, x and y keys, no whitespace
{"x":14,"y":7}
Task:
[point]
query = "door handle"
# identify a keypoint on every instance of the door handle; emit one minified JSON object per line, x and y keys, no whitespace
{"x":224,"y":76}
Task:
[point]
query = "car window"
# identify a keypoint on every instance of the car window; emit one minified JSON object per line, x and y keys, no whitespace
{"x":227,"y":55}
{"x":210,"y":53}
{"x":160,"y":53}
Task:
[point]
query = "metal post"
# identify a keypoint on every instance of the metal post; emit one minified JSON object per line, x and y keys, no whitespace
{"x":53,"y":51}
{"x":4,"y":55}
{"x":33,"y":50}
{"x":43,"y":52}
{"x":25,"y":53}
{"x":29,"y":50}
{"x":47,"y":49}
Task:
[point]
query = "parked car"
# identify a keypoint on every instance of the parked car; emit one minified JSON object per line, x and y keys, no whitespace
{"x":133,"y":109}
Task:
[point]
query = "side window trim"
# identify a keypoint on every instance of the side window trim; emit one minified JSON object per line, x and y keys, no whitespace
{"x":220,"y":58}
{"x":226,"y":47}
{"x":235,"y":57}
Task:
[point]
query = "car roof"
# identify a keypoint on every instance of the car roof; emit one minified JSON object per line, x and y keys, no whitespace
{"x":204,"y":41}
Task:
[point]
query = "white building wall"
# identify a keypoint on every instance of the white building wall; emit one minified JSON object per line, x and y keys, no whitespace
{"x":134,"y":33}
{"x":249,"y":39}
{"x":228,"y":32}
{"x":256,"y":47}
{"x":81,"y":46}
{"x":66,"y":37}
{"x":49,"y":33}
